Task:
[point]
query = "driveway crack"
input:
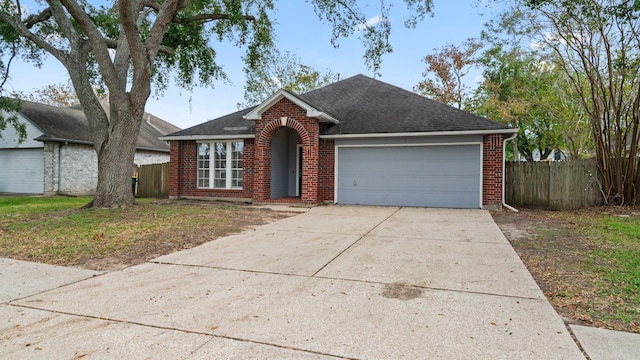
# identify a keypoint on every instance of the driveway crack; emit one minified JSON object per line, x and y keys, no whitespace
{"x":355,"y":242}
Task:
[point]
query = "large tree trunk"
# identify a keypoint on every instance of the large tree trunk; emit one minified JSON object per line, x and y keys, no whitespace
{"x":115,"y":165}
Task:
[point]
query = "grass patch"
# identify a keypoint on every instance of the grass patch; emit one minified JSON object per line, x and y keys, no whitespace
{"x":617,"y":262}
{"x":587,"y":262}
{"x":55,"y":230}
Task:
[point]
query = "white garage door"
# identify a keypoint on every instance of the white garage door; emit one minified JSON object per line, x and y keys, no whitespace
{"x":22,"y":171}
{"x":430,"y":176}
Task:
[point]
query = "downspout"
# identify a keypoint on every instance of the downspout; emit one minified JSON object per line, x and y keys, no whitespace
{"x":504,"y":173}
{"x":59,"y":168}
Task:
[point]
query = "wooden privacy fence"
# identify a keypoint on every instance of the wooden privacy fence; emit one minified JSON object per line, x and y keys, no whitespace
{"x":561,"y":185}
{"x":153,"y":181}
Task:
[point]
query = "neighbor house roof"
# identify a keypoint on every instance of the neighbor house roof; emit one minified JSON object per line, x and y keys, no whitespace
{"x":357,"y":105}
{"x":70,"y":125}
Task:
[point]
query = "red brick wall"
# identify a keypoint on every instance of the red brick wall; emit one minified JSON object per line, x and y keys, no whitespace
{"x":326,"y":170}
{"x":175,"y":156}
{"x":309,"y":132}
{"x":492,"y":170}
{"x":183,"y":172}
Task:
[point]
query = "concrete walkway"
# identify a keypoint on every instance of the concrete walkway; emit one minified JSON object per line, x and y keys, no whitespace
{"x":334,"y":282}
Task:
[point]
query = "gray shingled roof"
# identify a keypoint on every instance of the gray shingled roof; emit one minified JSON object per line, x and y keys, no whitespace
{"x":364,"y":105}
{"x":228,"y":125}
{"x":70,"y":125}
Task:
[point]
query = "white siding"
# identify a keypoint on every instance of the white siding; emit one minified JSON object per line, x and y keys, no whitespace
{"x":9,"y":136}
{"x":145,"y":157}
{"x":73,"y":168}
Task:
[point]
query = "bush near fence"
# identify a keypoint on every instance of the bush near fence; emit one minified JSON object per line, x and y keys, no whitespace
{"x":561,"y":185}
{"x":153,"y":181}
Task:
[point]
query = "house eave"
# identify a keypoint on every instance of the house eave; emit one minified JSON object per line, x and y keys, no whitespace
{"x":256,"y":113}
{"x":414,"y":134}
{"x":207,"y":137}
{"x":89,"y":143}
{"x":45,"y":138}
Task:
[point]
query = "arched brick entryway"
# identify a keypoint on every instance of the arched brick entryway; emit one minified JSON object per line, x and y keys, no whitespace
{"x":307,"y":130}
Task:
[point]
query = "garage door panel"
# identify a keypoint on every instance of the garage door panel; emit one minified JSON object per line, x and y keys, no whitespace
{"x":22,"y":171}
{"x":436,"y":176}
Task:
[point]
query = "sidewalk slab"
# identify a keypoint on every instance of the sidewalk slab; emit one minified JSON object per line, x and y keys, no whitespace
{"x":334,"y":317}
{"x":477,"y":267}
{"x":285,"y":252}
{"x":19,"y":279}
{"x":603,"y":344}
{"x":35,"y":334}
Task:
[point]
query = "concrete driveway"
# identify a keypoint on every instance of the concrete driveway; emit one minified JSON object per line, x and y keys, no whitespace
{"x":335,"y":282}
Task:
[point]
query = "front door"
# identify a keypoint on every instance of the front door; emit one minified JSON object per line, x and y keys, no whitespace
{"x":299,"y":171}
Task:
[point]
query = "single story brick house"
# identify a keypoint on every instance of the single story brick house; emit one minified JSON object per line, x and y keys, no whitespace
{"x":57,"y":156}
{"x":356,"y":141}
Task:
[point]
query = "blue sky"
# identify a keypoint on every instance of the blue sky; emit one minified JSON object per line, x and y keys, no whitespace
{"x":299,"y":30}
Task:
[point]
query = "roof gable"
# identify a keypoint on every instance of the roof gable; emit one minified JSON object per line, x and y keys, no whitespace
{"x":312,"y":112}
{"x":71,"y":125}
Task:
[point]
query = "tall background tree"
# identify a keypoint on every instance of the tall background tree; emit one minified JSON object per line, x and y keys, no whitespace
{"x":597,"y":44}
{"x":61,"y":95}
{"x":283,"y":70}
{"x":128,"y":45}
{"x":520,"y":85}
{"x":10,"y":44}
{"x":445,"y":73}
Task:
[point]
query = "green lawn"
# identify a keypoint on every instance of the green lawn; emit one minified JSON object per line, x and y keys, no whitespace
{"x":615,"y":262}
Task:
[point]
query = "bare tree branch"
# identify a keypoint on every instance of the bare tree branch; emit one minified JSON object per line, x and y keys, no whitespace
{"x":34,"y":19}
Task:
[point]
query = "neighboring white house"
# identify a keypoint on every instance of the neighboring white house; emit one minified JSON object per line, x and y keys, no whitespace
{"x":57,"y":156}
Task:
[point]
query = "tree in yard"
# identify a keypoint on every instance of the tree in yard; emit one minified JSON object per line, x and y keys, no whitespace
{"x":61,"y":95}
{"x":9,"y":104}
{"x":446,"y":69}
{"x":597,"y":43}
{"x":128,"y":45}
{"x":530,"y":92}
{"x":283,"y":70}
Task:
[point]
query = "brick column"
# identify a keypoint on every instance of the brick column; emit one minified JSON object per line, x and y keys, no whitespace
{"x":174,"y":169}
{"x":492,"y":172}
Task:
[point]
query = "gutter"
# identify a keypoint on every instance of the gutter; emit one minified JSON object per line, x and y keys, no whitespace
{"x":410,"y":134}
{"x":206,"y":137}
{"x":504,"y":174}
{"x":84,"y":142}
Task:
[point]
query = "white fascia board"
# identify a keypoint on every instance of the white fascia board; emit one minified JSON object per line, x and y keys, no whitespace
{"x":206,"y":137}
{"x":256,"y":113}
{"x":313,"y":113}
{"x":410,"y":134}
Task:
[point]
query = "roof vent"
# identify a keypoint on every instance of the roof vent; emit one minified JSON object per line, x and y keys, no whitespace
{"x":235,"y":128}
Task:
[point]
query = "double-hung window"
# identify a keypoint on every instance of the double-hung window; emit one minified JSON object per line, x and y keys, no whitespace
{"x":220,"y":165}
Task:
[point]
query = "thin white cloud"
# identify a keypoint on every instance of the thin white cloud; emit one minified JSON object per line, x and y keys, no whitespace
{"x":371,"y":22}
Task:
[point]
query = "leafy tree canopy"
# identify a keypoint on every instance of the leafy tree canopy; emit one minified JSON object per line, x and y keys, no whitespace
{"x":283,"y":70}
{"x":128,"y":45}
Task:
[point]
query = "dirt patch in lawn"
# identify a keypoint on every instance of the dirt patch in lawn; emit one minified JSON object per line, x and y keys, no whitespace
{"x":165,"y":241}
{"x":567,"y":253}
{"x":111,"y":239}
